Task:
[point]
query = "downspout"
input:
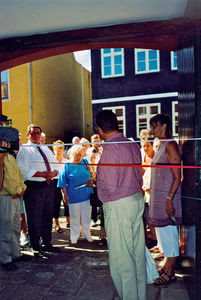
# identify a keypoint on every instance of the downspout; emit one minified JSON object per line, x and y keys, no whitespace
{"x":0,"y":96}
{"x":30,"y":93}
{"x":83,"y":110}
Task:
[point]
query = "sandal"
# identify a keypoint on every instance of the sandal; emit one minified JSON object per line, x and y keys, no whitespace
{"x":161,"y":271}
{"x":165,"y":279}
{"x":58,"y":229}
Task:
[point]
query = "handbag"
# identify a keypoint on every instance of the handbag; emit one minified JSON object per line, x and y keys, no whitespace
{"x":152,"y":272}
{"x":94,"y":201}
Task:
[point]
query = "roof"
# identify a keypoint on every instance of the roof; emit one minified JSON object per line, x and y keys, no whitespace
{"x":35,"y":29}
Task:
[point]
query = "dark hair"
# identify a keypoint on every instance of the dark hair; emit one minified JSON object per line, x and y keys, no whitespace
{"x":33,"y":126}
{"x":107,"y":121}
{"x":163,"y":119}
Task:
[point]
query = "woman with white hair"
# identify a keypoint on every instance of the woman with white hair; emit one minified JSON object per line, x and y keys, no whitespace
{"x":72,"y":179}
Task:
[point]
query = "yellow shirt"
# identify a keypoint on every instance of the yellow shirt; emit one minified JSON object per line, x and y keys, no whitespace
{"x":13,"y":181}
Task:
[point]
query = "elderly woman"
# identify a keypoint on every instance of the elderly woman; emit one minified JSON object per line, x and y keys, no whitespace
{"x":72,"y":180}
{"x":165,"y":205}
{"x":58,"y":150}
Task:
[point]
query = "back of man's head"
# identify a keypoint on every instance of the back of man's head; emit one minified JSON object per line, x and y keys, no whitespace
{"x":107,"y":121}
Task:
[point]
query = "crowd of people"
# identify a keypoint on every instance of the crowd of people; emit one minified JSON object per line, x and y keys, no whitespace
{"x":137,"y":206}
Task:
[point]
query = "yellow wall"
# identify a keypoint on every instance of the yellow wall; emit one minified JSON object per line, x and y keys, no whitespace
{"x":61,"y":97}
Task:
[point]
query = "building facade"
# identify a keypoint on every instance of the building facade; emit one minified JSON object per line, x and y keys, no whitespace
{"x":54,"y":92}
{"x":136,"y":84}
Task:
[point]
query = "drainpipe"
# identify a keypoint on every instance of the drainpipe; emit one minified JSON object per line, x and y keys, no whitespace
{"x":30,"y":93}
{"x":83,"y":110}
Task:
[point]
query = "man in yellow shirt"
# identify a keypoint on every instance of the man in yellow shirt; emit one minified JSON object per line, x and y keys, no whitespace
{"x":12,"y":187}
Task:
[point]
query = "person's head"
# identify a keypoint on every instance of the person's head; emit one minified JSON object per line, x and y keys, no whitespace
{"x":34,"y":133}
{"x":95,"y":138}
{"x":144,"y":134}
{"x":42,"y":138}
{"x":58,"y":149}
{"x":76,"y":153}
{"x":148,"y":147}
{"x":85,"y":145}
{"x":75,"y":140}
{"x":160,"y":126}
{"x":107,"y":124}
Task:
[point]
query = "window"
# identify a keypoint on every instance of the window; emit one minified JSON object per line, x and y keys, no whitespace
{"x":175,"y":118}
{"x":144,"y":112}
{"x":112,"y":62}
{"x":121,"y":117}
{"x":173,"y":56}
{"x":146,"y":61}
{"x":4,"y":84}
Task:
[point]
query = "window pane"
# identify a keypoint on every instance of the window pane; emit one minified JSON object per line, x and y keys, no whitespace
{"x":152,"y":54}
{"x":141,"y":56}
{"x":142,"y":110}
{"x":107,"y":61}
{"x":118,"y":69}
{"x":117,"y":49}
{"x":4,"y":90}
{"x":107,"y":71}
{"x":117,"y":59}
{"x":154,"y":110}
{"x":107,"y":50}
{"x":119,"y":112}
{"x":153,"y":65}
{"x":4,"y":76}
{"x":141,"y":66}
{"x":176,"y":107}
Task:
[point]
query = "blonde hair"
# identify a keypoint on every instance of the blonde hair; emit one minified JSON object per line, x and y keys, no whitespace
{"x":85,"y":141}
{"x":95,"y":136}
{"x":56,"y":146}
{"x":75,"y":150}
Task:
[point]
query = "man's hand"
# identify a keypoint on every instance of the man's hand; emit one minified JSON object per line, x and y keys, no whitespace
{"x":91,"y":183}
{"x":16,"y":196}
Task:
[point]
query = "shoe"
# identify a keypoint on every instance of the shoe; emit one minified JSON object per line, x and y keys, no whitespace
{"x":102,"y":242}
{"x":22,"y":258}
{"x":50,"y":248}
{"x":25,"y":246}
{"x":89,"y":239}
{"x":39,"y":254}
{"x":154,"y":250}
{"x":73,"y":242}
{"x":11,"y":266}
{"x":67,"y":225}
{"x":58,"y":229}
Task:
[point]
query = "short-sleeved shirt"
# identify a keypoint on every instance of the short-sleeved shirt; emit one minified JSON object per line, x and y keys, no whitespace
{"x":72,"y":177}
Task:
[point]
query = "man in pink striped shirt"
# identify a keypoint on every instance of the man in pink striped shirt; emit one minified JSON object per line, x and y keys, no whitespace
{"x":119,"y":188}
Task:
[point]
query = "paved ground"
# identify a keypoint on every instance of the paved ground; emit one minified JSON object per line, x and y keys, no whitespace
{"x":75,"y":273}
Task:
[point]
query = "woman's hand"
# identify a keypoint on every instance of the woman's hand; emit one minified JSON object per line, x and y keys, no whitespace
{"x":170,"y":208}
{"x":91,"y":182}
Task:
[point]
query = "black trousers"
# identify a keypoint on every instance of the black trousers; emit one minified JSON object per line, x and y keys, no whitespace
{"x":57,"y":202}
{"x":39,"y":204}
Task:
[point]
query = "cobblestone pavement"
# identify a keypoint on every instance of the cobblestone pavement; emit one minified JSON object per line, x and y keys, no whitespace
{"x":78,"y":272}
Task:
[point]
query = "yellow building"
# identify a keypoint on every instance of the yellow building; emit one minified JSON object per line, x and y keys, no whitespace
{"x":54,"y":93}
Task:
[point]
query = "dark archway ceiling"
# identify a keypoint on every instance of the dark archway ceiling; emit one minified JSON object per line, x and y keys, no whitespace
{"x":36,"y":29}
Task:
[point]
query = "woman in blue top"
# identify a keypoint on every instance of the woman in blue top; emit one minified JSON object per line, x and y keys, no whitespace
{"x":72,"y":179}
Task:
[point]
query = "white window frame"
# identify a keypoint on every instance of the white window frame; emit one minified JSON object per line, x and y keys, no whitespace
{"x":113,"y":109}
{"x":112,"y":54}
{"x":174,"y":114}
{"x":172,"y":61}
{"x":8,"y":98}
{"x":147,"y":116}
{"x":146,"y":61}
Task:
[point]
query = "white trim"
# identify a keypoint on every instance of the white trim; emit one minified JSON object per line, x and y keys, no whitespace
{"x":174,"y":114}
{"x":147,"y":70}
{"x":135,"y":98}
{"x":8,"y":98}
{"x":173,"y":68}
{"x":146,"y":116}
{"x":112,"y":54}
{"x":113,"y":108}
